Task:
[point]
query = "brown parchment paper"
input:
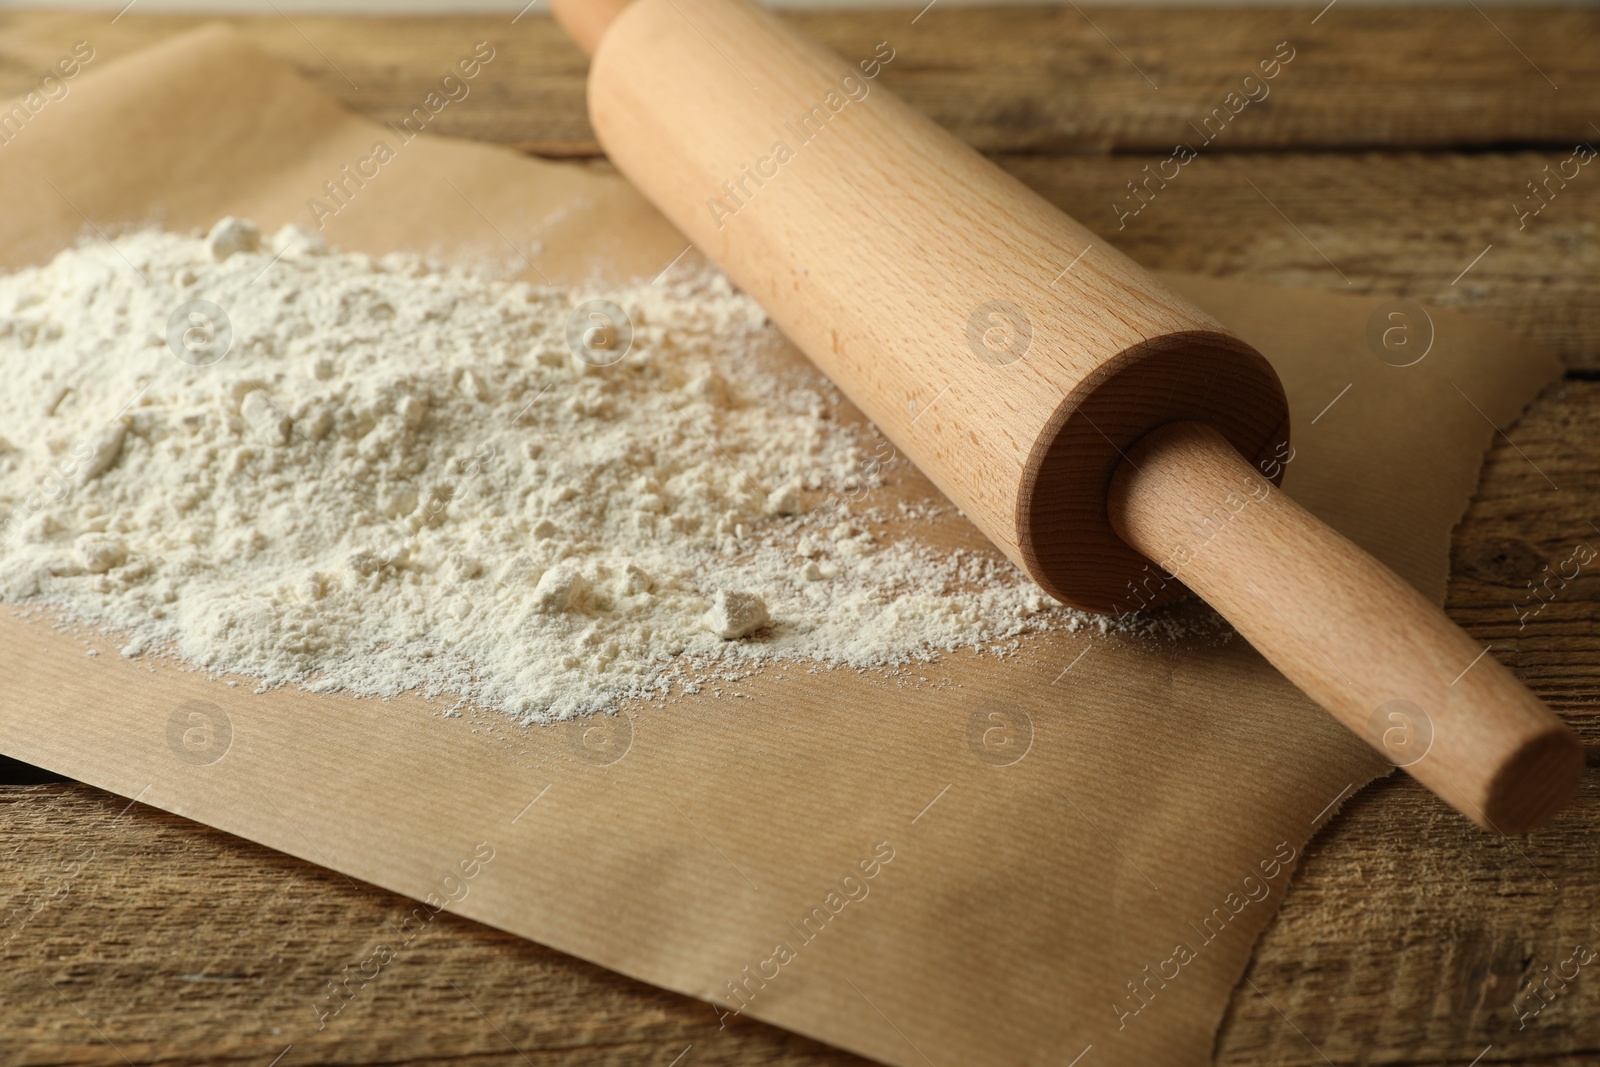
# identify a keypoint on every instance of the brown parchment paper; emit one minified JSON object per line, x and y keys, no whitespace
{"x":995,"y":865}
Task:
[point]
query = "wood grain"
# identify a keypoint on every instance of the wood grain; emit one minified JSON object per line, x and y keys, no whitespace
{"x":1028,"y":79}
{"x":1407,"y":932}
{"x":137,"y":936}
{"x":1404,"y":223}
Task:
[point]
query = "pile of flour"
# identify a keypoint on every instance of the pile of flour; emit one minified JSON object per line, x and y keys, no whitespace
{"x":400,"y":477}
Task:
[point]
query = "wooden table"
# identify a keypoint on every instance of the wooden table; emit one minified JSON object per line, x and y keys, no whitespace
{"x":1387,"y":160}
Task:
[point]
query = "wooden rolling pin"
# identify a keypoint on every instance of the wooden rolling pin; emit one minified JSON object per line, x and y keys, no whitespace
{"x":1108,"y":435}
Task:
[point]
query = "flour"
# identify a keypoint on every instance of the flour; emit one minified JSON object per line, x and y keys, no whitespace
{"x":399,"y":477}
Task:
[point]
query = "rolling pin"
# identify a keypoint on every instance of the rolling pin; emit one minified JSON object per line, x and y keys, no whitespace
{"x":1115,"y":441}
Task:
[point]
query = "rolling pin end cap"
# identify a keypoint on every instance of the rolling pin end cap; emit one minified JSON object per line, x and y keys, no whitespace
{"x":1536,"y":782}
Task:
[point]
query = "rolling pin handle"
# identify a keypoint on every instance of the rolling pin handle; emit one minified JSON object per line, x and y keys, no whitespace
{"x":1348,"y":631}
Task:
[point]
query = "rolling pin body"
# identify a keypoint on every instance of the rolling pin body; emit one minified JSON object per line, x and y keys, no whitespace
{"x":928,"y":284}
{"x":1088,"y":420}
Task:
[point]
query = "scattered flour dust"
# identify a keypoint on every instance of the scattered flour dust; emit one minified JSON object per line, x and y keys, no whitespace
{"x":399,"y":477}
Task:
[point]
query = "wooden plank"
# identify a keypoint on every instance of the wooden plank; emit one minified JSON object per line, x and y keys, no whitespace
{"x":1410,"y":937}
{"x":1408,"y":224}
{"x":1534,"y":506}
{"x":1026,"y":79}
{"x":135,"y":935}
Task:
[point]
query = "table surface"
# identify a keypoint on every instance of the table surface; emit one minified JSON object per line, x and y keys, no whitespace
{"x":1387,"y":160}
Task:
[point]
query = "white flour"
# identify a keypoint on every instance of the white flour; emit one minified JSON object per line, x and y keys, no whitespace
{"x":399,"y":477}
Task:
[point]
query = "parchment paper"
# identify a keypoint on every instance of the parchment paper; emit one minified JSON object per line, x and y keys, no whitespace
{"x":996,"y":865}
